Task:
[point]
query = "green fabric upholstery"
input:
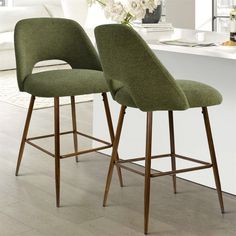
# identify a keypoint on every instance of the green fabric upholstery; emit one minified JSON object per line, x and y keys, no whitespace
{"x":197,"y":94}
{"x":137,"y":78}
{"x":59,"y":83}
{"x":40,"y":39}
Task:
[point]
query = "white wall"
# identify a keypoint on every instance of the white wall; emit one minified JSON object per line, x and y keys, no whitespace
{"x":95,"y":16}
{"x":203,"y":14}
{"x":181,"y":13}
{"x":190,"y":14}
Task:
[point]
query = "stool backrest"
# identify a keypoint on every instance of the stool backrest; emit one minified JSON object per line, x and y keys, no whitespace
{"x":40,"y":39}
{"x":129,"y":63}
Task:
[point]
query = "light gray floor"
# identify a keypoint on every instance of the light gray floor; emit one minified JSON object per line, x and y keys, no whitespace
{"x":27,"y":202}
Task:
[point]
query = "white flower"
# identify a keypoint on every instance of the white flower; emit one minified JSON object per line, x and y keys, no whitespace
{"x":136,"y":9}
{"x":127,"y":10}
{"x":157,"y":2}
{"x":115,"y":11}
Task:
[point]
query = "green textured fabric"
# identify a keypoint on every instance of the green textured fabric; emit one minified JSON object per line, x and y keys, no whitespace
{"x":59,"y":83}
{"x":41,"y":39}
{"x":197,"y":94}
{"x":137,"y":78}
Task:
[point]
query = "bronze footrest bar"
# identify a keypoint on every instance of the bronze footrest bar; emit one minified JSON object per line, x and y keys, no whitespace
{"x":40,"y":148}
{"x":181,"y":170}
{"x":48,"y":136}
{"x":204,"y":165}
{"x":29,"y":141}
{"x":85,"y":151}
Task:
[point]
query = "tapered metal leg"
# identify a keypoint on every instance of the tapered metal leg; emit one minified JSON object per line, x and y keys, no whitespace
{"x":73,"y":115}
{"x":172,"y":147}
{"x":25,"y":132}
{"x":111,"y":131}
{"x":147,"y":171}
{"x":57,"y":148}
{"x":114,"y":153}
{"x":213,"y":156}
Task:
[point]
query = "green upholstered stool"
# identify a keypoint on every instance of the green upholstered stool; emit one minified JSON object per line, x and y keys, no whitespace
{"x":136,"y":78}
{"x":43,"y":39}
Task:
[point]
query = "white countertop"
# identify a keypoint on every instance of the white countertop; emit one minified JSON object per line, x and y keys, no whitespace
{"x":153,"y":39}
{"x":219,"y":51}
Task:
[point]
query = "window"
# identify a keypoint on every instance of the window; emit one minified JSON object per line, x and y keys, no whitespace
{"x":221,"y":11}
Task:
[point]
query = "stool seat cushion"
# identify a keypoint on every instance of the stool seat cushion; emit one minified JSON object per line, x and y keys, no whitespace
{"x":67,"y":82}
{"x":197,"y":94}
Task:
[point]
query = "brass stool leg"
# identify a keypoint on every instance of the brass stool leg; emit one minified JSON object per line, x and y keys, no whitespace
{"x":111,"y":131}
{"x":57,"y":148}
{"x":213,"y":156}
{"x":25,"y":132}
{"x":73,"y":115}
{"x":172,"y":147}
{"x":114,"y":153}
{"x":147,"y":171}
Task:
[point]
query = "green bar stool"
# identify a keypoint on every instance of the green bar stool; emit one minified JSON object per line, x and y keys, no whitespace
{"x":41,"y":39}
{"x":136,"y":78}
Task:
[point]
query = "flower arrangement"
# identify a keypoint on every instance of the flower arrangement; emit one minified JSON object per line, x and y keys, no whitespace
{"x":128,"y":10}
